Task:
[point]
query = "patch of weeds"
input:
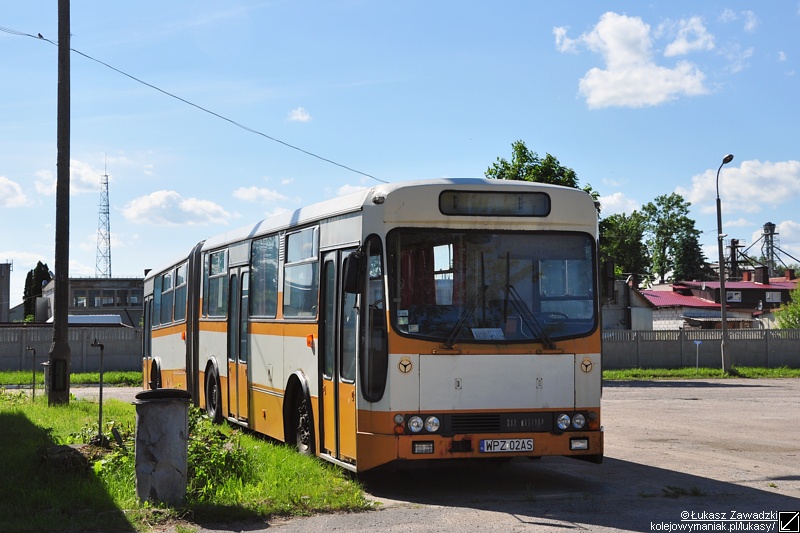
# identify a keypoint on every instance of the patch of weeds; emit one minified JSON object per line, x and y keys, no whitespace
{"x":215,"y":458}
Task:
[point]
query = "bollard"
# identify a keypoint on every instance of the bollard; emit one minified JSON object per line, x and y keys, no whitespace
{"x":46,"y":372}
{"x":162,"y":438}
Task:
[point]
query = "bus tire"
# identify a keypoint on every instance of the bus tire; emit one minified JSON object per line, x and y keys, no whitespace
{"x":301,"y":423}
{"x":155,"y":376}
{"x":213,"y":396}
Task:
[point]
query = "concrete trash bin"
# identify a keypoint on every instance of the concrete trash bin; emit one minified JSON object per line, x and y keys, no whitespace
{"x":162,"y":438}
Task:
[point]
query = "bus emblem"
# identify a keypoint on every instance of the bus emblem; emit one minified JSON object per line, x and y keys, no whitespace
{"x":586,"y":365}
{"x":405,"y":365}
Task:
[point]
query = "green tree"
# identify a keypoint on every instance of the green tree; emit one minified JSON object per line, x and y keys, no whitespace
{"x":526,"y":165}
{"x":35,"y":281}
{"x":788,"y":314}
{"x":667,"y":222}
{"x":622,"y":241}
{"x":690,"y":262}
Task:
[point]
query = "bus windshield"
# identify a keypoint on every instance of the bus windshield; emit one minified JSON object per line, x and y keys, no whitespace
{"x":470,"y":286}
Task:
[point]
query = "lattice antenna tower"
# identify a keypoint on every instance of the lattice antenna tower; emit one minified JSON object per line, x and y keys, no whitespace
{"x":103,"y":260}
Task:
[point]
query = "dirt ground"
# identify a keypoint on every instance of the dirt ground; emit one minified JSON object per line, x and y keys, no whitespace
{"x":678,"y":454}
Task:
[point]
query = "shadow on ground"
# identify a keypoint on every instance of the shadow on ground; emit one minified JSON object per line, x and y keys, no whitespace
{"x":553,"y":491}
{"x":46,"y":487}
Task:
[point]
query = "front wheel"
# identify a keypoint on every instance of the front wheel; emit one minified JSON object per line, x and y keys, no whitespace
{"x":213,"y":397}
{"x":302,"y":425}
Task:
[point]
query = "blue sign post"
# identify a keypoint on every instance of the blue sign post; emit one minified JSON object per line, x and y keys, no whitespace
{"x":697,"y":356}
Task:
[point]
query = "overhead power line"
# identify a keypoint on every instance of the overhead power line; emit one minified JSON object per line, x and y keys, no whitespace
{"x":197,"y":106}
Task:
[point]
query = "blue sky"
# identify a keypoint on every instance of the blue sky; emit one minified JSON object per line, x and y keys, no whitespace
{"x":641,"y":99}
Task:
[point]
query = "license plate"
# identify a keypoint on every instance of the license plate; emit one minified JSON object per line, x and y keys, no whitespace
{"x":506,"y":445}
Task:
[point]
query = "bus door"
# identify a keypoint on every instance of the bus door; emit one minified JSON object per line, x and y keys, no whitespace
{"x":338,"y":341}
{"x":238,"y":348}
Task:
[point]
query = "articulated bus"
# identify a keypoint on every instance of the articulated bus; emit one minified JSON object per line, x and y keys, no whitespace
{"x":408,"y":322}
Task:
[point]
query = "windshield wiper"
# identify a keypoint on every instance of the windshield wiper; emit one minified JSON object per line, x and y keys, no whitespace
{"x":527,"y":316}
{"x":476,"y":297}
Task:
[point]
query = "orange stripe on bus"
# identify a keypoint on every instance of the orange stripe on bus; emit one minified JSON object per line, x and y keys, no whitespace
{"x":171,"y":330}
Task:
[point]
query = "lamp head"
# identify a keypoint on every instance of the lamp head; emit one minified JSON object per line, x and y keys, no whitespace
{"x":727,"y":159}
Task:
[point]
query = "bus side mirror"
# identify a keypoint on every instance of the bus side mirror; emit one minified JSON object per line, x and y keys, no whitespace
{"x":353,"y":267}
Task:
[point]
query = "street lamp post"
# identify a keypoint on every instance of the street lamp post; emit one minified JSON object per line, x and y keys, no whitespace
{"x":723,"y":297}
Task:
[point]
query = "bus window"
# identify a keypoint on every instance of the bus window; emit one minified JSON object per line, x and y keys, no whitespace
{"x":167,"y":298}
{"x":215,"y":299}
{"x":300,"y":282}
{"x":180,"y":293}
{"x":374,"y":352}
{"x":156,"y":314}
{"x":264,"y":277}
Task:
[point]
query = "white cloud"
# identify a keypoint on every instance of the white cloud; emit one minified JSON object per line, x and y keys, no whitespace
{"x":727,"y":15}
{"x":45,"y":183}
{"x":11,"y":194}
{"x":789,"y":231}
{"x":692,"y":35}
{"x":257,"y":194}
{"x":617,"y":203}
{"x":170,"y":209}
{"x":742,"y":189}
{"x":738,"y":57}
{"x":277,"y":211}
{"x":750,"y":21}
{"x":82,"y":178}
{"x":781,"y":56}
{"x":631,"y":78}
{"x":564,"y":43}
{"x":299,"y":115}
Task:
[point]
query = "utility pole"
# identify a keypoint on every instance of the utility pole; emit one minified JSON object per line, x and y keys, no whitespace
{"x":59,"y":350}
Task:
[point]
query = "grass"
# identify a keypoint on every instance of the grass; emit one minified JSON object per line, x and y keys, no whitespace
{"x":632,"y":374}
{"x":111,"y":378}
{"x":233,"y":476}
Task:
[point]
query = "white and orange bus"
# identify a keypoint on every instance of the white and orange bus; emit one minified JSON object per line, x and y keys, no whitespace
{"x":415,"y":321}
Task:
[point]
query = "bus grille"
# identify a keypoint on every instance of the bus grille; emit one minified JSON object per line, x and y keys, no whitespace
{"x":475,"y":423}
{"x":469,"y":423}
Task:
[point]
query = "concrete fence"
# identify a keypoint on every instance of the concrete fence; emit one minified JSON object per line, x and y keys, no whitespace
{"x":122,"y":347}
{"x":769,"y":348}
{"x":621,"y":348}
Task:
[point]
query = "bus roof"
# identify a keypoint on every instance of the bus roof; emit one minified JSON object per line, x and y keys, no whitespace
{"x":350,"y":203}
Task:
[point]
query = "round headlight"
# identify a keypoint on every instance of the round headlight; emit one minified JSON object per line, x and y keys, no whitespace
{"x":578,"y":421}
{"x":431,"y":424}
{"x":399,"y":419}
{"x":563,"y":421}
{"x":415,"y":424}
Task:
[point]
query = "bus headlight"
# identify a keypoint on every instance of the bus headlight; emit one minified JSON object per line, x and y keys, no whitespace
{"x":432,"y":424}
{"x":415,"y":424}
{"x":578,"y":421}
{"x":563,"y":421}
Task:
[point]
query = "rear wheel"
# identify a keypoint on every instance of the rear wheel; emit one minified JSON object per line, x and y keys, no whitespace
{"x":213,"y":397}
